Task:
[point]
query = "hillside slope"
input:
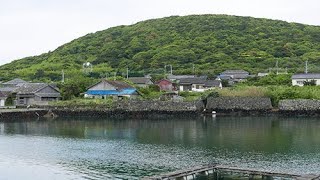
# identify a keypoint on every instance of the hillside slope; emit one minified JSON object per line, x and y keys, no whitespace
{"x":212,"y":43}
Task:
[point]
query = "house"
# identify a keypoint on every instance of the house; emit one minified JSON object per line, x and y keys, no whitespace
{"x":141,"y":81}
{"x":35,"y":94}
{"x":166,"y":85}
{"x":191,"y":84}
{"x":299,"y":79}
{"x":234,"y":76}
{"x":106,"y":88}
{"x":198,"y":84}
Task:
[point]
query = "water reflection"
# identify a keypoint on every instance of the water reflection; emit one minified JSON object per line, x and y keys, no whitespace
{"x":131,"y":148}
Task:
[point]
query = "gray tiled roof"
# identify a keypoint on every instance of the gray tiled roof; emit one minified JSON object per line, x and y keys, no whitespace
{"x":8,"y":89}
{"x":178,"y":77}
{"x":140,"y":80}
{"x":196,"y":80}
{"x":117,"y":84}
{"x":306,"y":76}
{"x":235,"y":72}
{"x":212,"y":83}
{"x":30,"y":88}
{"x":15,"y":82}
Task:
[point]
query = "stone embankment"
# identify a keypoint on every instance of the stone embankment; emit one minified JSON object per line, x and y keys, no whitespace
{"x":117,"y":109}
{"x":308,"y":107}
{"x":20,"y":114}
{"x":154,"y":109}
{"x":129,"y":109}
{"x":239,"y":105}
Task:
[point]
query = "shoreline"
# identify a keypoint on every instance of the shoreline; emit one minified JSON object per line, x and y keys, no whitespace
{"x":28,"y":114}
{"x":223,"y":106}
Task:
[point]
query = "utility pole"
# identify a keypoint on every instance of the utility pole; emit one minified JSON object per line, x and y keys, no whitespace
{"x":306,"y":70}
{"x":127,"y":73}
{"x":114,"y":77}
{"x":62,"y":80}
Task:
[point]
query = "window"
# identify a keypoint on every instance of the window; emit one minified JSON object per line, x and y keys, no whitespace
{"x":300,"y":82}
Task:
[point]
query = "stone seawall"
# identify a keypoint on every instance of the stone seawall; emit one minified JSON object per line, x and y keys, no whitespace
{"x":308,"y":107}
{"x":130,"y":109}
{"x":117,"y":109}
{"x":154,"y":109}
{"x":239,"y":104}
{"x":21,"y":114}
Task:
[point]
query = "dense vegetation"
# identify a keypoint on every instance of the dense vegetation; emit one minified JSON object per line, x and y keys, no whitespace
{"x":210,"y":43}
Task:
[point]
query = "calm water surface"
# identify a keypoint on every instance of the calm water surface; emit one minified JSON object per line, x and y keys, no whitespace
{"x":91,"y":148}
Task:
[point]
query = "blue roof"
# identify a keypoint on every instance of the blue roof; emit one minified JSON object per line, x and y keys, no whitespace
{"x":111,"y":92}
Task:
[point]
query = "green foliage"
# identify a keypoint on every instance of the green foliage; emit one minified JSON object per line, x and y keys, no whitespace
{"x":190,"y":96}
{"x":151,"y":93}
{"x":271,"y":79}
{"x":310,"y":83}
{"x":209,"y":93}
{"x":9,"y":100}
{"x":277,"y":93}
{"x":73,"y":88}
{"x":212,"y":43}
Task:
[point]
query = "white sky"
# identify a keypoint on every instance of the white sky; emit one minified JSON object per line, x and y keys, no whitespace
{"x":32,"y":27}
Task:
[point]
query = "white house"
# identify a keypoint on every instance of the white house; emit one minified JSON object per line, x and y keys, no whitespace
{"x":299,"y":79}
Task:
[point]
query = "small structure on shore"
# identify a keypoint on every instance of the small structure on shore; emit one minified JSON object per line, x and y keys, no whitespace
{"x":106,"y":88}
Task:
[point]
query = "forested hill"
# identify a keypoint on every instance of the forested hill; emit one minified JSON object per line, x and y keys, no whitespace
{"x":212,"y":43}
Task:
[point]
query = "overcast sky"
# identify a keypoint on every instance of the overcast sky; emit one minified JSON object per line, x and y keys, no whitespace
{"x":32,"y":27}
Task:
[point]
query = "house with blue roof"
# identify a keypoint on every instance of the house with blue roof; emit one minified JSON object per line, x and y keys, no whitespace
{"x":107,"y":88}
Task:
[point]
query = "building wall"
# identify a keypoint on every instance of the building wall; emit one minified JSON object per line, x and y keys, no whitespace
{"x":165,"y":86}
{"x":2,"y":101}
{"x":185,"y":87}
{"x":299,"y":82}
